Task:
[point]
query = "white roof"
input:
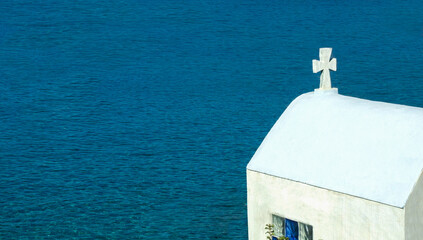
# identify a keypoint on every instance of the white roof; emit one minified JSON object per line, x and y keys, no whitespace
{"x":368,"y":149}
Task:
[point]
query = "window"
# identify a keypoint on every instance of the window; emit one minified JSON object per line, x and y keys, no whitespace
{"x":292,"y":229}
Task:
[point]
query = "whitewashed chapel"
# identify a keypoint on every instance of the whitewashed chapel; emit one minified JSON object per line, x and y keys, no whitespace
{"x":335,"y":167}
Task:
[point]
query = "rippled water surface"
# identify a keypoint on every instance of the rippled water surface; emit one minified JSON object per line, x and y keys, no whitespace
{"x":136,"y":119}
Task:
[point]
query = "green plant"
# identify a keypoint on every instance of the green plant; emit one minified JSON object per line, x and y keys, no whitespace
{"x":270,"y":232}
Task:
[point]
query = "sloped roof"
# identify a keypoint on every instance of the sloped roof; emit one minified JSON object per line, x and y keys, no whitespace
{"x":368,"y":149}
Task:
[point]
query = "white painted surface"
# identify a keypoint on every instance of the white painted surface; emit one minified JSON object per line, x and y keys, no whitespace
{"x":333,"y":215}
{"x":369,"y":149}
{"x":414,"y":213}
{"x":324,"y":65}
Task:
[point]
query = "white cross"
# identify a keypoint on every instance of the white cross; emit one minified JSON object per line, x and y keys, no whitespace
{"x":325,"y":64}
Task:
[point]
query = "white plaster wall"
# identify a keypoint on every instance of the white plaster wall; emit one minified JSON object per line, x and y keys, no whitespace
{"x":414,"y":212}
{"x":334,"y":216}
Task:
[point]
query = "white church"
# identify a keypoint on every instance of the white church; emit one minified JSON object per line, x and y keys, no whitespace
{"x":335,"y":167}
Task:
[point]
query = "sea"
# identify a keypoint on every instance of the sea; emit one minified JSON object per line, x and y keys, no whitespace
{"x":135,"y":119}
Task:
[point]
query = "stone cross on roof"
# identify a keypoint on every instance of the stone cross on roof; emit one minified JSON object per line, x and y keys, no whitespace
{"x":324,"y":65}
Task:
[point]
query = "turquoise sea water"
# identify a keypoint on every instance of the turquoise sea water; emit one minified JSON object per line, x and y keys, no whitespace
{"x":136,"y":119}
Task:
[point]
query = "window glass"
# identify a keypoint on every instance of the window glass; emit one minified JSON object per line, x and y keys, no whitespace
{"x":300,"y":231}
{"x":279,"y":226}
{"x":305,"y":232}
